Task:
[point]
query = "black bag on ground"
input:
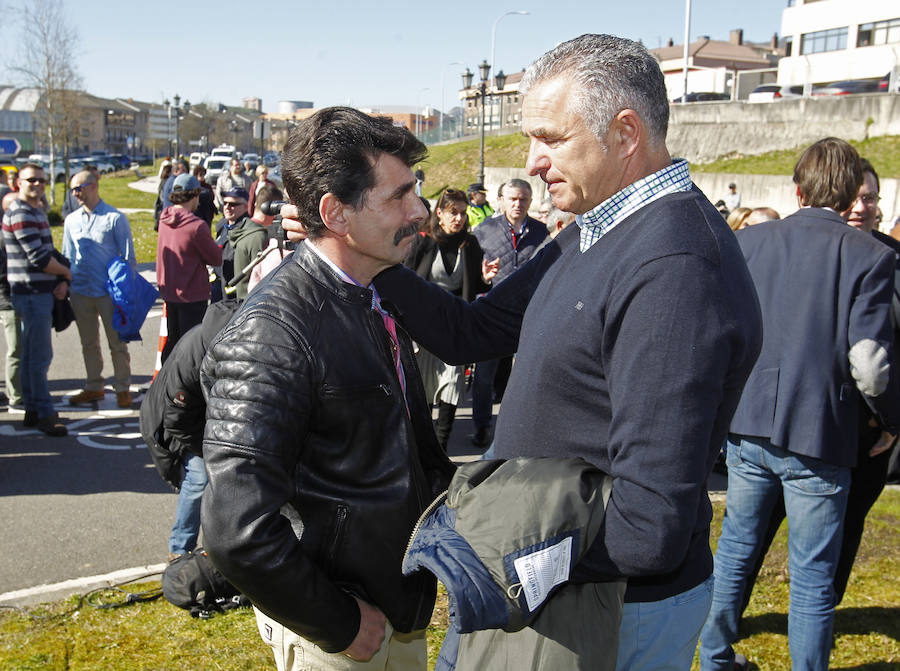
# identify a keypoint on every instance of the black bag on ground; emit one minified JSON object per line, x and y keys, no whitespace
{"x":193,"y":583}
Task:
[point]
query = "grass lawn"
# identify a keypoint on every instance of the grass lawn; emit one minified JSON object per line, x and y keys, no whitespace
{"x":114,"y":190}
{"x":456,"y":164}
{"x":158,"y":636}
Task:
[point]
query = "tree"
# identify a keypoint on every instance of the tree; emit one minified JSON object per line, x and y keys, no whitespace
{"x":45,"y":59}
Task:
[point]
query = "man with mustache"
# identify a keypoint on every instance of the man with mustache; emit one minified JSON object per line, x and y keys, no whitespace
{"x":319,"y":444}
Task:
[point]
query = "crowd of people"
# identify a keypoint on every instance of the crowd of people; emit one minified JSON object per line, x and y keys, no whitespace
{"x":648,"y":338}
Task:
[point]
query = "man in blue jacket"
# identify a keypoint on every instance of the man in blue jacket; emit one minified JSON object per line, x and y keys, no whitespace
{"x":825,"y":292}
{"x":510,"y":238}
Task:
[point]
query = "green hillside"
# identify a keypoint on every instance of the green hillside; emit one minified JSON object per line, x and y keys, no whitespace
{"x":456,"y":164}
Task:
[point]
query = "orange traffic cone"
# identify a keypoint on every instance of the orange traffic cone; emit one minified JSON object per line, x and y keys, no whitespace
{"x":161,"y":343}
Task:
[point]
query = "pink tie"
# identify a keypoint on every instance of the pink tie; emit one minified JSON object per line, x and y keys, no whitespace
{"x":391,"y":327}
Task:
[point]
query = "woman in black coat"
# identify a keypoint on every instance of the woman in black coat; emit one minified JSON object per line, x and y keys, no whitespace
{"x":446,"y":254}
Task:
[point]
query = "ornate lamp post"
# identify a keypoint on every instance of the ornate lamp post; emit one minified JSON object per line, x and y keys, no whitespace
{"x":484,"y":71}
{"x":179,"y":114}
{"x":500,"y":81}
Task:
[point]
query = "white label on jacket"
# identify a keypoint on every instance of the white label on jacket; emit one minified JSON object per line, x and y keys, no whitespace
{"x":543,"y":570}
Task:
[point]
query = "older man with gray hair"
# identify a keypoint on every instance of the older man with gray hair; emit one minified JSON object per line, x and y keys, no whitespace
{"x":657,"y":326}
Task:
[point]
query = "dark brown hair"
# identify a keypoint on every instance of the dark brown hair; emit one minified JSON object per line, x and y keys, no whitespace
{"x":181,"y":197}
{"x":335,"y":151}
{"x":829,"y":174}
{"x":447,"y":197}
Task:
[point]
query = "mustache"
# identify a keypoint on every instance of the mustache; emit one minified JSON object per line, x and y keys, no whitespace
{"x":406,"y":231}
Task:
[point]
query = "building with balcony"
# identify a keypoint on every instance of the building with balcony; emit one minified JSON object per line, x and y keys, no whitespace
{"x":502,"y":107}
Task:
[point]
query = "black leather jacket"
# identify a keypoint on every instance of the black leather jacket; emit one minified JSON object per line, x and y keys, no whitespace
{"x":317,"y":473}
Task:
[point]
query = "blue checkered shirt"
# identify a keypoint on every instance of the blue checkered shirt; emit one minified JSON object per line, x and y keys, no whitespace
{"x":602,"y":219}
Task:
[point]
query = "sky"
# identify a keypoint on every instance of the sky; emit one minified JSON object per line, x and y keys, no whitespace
{"x":365,"y":54}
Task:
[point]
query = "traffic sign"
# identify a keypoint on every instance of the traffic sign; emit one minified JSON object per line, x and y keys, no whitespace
{"x":9,"y":146}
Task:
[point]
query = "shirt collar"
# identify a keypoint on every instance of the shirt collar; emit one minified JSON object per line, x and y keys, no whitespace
{"x":674,"y":178}
{"x":376,"y":299}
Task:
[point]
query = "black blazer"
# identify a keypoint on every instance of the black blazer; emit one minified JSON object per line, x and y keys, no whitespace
{"x":424,"y":250}
{"x":823,"y":287}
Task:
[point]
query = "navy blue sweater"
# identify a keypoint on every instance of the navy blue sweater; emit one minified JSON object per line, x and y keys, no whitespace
{"x":633,"y":356}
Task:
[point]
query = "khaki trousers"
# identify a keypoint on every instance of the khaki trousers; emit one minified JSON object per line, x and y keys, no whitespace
{"x":87,"y":310}
{"x":11,"y":327}
{"x":398,"y":652}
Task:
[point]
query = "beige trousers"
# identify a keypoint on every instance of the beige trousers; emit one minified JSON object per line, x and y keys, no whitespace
{"x":398,"y":652}
{"x":87,"y":311}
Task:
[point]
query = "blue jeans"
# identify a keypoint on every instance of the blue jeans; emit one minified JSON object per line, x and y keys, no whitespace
{"x":662,"y":635}
{"x":187,"y":513}
{"x":815,"y":498}
{"x":35,"y":313}
{"x":483,"y":393}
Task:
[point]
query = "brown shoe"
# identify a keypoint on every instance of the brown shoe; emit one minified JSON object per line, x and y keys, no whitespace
{"x":123,"y":399}
{"x":52,"y":426}
{"x":86,"y":396}
{"x":173,"y":557}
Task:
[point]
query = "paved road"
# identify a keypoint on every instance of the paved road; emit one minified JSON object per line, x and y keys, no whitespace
{"x":92,"y":504}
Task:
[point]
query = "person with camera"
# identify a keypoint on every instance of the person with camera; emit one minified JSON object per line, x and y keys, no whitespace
{"x":183,"y":250}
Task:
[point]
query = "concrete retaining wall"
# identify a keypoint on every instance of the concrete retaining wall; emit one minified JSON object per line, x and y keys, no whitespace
{"x":775,"y":191}
{"x":779,"y":192}
{"x":703,"y":132}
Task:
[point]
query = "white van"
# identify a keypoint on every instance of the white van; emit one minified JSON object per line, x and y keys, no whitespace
{"x":223,"y":150}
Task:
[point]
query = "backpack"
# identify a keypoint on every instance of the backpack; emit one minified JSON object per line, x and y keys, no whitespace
{"x":193,"y":583}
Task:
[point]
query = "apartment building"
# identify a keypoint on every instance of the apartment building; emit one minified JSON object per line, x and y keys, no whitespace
{"x":834,"y":40}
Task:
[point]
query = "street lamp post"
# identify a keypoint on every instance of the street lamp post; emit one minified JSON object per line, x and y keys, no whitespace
{"x":441,"y":124}
{"x":484,"y":70}
{"x":520,"y":12}
{"x":178,"y":116}
{"x":418,"y":126}
{"x":500,"y":80}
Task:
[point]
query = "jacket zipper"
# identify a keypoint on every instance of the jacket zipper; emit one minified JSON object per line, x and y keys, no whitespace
{"x":340,"y":519}
{"x":418,"y":525}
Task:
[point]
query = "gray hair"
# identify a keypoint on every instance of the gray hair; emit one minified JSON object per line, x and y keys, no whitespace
{"x":517,"y":183}
{"x":555,"y":214}
{"x":608,"y":74}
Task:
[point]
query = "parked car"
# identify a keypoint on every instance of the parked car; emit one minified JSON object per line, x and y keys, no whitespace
{"x":216,"y":166}
{"x":770,"y":92}
{"x":9,"y":168}
{"x":197,"y":158}
{"x":251,"y":158}
{"x":59,"y":168}
{"x":223,"y":150}
{"x":120,"y":161}
{"x":271,"y":159}
{"x":275,"y":176}
{"x":104,"y":165}
{"x":885,"y":81}
{"x":703,"y":96}
{"x":847,"y":87}
{"x":143,"y":159}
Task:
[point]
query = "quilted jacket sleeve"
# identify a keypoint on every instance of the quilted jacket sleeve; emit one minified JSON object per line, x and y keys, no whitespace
{"x":258,"y":378}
